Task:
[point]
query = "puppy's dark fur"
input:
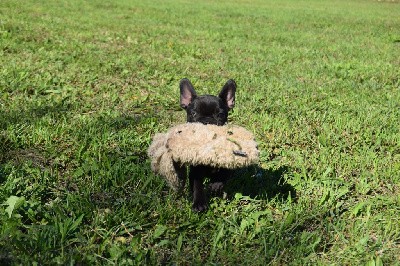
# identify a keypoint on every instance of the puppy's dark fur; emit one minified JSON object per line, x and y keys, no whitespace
{"x":206,"y":109}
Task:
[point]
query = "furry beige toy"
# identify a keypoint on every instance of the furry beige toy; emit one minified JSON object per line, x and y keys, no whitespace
{"x":227,"y":146}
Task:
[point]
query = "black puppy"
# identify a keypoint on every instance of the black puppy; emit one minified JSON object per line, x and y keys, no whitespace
{"x":207,"y":109}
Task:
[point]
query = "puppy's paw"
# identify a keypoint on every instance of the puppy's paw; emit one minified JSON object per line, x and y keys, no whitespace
{"x":200,"y":206}
{"x":216,"y":188}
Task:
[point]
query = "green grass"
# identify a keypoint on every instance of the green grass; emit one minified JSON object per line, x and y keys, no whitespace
{"x":84,"y":85}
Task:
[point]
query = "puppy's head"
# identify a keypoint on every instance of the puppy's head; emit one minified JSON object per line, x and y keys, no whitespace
{"x":207,"y":109}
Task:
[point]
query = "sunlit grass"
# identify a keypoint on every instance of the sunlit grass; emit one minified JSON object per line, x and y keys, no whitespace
{"x":84,"y":85}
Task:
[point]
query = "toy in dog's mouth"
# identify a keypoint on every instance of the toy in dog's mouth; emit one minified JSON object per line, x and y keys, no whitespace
{"x":227,"y":146}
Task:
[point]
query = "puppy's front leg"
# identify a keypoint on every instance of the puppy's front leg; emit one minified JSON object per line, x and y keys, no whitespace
{"x":196,"y":177}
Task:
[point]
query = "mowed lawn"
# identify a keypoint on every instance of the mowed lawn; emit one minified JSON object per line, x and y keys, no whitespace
{"x":84,"y":85}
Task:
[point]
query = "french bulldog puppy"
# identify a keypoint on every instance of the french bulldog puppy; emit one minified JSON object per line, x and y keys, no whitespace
{"x":206,"y":109}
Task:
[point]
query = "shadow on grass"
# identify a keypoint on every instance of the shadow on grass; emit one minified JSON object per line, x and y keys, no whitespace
{"x":11,"y":148}
{"x":261,"y":183}
{"x":72,"y":149}
{"x":30,"y":115}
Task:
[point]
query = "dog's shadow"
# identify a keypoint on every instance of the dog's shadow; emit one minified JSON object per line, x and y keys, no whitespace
{"x":260,"y":183}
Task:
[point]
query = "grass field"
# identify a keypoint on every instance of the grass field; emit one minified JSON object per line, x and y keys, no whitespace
{"x":84,"y":85}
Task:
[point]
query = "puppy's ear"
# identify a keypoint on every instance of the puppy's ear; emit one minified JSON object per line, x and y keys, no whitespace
{"x":228,"y":93}
{"x":187,"y":93}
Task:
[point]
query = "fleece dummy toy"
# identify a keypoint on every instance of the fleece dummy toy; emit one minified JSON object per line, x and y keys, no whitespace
{"x":228,"y":147}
